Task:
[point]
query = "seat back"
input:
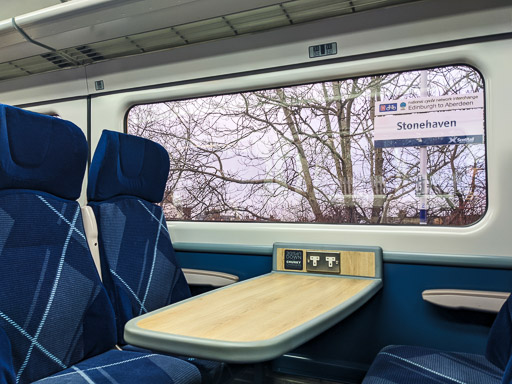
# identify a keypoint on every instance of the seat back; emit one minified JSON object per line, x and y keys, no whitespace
{"x":127,"y":177}
{"x":53,"y":307}
{"x":499,"y":343}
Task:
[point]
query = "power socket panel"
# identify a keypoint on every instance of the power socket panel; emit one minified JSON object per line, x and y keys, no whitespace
{"x":323,"y":262}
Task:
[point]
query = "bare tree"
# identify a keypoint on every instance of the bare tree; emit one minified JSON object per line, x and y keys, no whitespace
{"x":306,"y":154}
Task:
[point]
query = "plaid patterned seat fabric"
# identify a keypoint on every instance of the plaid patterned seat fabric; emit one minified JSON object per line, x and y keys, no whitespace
{"x":139,"y":268}
{"x":418,"y":365}
{"x":55,"y":316}
{"x":127,"y":177}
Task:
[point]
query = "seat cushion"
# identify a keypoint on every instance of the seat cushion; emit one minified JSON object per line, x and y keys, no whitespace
{"x":128,"y":367}
{"x":406,"y":365}
{"x":212,"y":372}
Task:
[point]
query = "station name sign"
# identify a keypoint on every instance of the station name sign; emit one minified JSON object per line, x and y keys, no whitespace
{"x":444,"y":120}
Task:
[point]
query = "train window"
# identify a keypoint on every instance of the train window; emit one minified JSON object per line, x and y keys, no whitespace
{"x":399,"y":148}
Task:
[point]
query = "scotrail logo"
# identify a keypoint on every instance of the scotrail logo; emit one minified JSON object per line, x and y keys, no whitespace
{"x":461,"y":140}
{"x":388,"y":107}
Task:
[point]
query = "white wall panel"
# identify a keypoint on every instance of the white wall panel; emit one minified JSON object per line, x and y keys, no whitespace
{"x":483,"y":238}
{"x":384,"y":29}
{"x":369,"y":32}
{"x":47,"y":86}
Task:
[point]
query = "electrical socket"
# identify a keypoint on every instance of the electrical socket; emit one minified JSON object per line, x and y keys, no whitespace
{"x":323,"y":262}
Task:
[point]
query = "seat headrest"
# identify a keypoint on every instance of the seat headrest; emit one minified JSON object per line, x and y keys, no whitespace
{"x":127,"y":165}
{"x":42,"y":153}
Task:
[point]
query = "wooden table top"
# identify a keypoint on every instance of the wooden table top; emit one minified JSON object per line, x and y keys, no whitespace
{"x":257,"y":309}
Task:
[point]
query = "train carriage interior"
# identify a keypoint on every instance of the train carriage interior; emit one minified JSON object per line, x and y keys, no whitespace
{"x":255,"y":191}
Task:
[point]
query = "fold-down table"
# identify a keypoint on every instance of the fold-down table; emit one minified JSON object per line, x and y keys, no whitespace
{"x":310,"y":289}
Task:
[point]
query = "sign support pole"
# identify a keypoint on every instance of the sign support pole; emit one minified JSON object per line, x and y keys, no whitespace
{"x":423,"y":160}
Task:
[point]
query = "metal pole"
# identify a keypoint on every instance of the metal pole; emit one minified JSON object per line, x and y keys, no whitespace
{"x":423,"y":161}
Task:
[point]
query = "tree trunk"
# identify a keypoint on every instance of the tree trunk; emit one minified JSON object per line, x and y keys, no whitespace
{"x":344,"y":115}
{"x":308,"y":180}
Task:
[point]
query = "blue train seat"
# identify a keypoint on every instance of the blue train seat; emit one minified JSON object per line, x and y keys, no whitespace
{"x":7,"y":375}
{"x":409,"y":364}
{"x":128,"y":175}
{"x":56,"y":320}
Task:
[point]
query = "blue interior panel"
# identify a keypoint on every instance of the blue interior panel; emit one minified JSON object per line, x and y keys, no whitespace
{"x":398,"y":315}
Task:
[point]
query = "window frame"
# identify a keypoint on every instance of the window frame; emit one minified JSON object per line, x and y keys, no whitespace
{"x":329,"y":79}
